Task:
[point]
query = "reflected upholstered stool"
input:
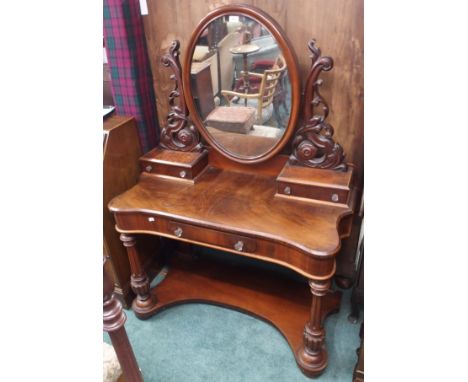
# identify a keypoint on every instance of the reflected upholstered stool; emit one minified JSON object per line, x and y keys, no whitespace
{"x":236,"y":119}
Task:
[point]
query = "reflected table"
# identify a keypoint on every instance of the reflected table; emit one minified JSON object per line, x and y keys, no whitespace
{"x":245,"y":50}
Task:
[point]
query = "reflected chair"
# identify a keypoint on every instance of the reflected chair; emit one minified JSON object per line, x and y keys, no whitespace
{"x":279,"y":99}
{"x":269,"y":81}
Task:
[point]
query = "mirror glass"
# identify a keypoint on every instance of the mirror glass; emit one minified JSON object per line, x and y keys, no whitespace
{"x":240,"y":85}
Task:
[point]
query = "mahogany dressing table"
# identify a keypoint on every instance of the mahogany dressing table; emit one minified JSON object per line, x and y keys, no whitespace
{"x":291,"y":209}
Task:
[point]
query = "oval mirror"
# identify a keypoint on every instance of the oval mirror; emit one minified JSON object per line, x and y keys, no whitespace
{"x":242,"y":83}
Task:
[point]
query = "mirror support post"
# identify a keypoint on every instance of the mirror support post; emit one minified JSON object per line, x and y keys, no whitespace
{"x":313,"y":144}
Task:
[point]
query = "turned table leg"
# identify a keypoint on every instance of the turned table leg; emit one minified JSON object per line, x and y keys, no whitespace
{"x":312,"y":356}
{"x":113,"y":323}
{"x":144,"y":303}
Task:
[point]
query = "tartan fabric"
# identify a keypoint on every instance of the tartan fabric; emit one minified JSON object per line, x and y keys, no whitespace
{"x":131,"y":80}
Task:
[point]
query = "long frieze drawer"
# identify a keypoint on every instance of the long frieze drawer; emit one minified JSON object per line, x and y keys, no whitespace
{"x":211,"y":236}
{"x":263,"y":249}
{"x":141,"y":221}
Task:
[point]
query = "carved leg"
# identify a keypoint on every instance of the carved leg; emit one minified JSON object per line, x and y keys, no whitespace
{"x":312,"y":356}
{"x":144,"y":303}
{"x":113,"y":323}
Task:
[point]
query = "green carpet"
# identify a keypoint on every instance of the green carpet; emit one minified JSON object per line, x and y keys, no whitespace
{"x":200,"y":342}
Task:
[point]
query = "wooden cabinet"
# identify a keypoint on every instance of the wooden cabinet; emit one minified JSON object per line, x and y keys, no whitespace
{"x":203,"y":88}
{"x":120,"y":172}
{"x":291,"y":210}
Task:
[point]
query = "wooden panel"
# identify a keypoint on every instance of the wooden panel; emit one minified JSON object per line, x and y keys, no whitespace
{"x":210,"y":236}
{"x":243,"y":203}
{"x":178,"y":164}
{"x":318,"y":184}
{"x":254,"y":247}
{"x":336,"y":24}
{"x":120,"y":172}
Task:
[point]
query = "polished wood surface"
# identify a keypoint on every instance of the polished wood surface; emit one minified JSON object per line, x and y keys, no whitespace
{"x":337,"y":25}
{"x":254,"y":290}
{"x":113,"y":323}
{"x":239,"y":213}
{"x":177,"y":134}
{"x":335,"y":187}
{"x":238,"y":208}
{"x":120,"y":172}
{"x":289,"y":56}
{"x":313,"y":144}
{"x":239,"y":202}
{"x":183,"y":165}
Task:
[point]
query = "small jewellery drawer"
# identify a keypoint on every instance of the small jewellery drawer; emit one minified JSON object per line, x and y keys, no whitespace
{"x":210,"y":236}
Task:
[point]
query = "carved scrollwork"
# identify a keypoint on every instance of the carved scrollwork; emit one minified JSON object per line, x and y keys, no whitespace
{"x":177,"y":135}
{"x":313,"y":144}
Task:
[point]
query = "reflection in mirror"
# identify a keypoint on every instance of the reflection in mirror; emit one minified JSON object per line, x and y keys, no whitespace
{"x":241,"y":86}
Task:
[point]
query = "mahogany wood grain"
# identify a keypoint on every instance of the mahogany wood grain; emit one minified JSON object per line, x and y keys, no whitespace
{"x":177,"y":164}
{"x":271,"y":168}
{"x":240,"y":203}
{"x":317,"y":184}
{"x":312,"y":356}
{"x":255,"y":247}
{"x":225,"y":208}
{"x":288,"y":54}
{"x":120,"y":172}
{"x":337,"y":25}
{"x":139,"y":280}
{"x":255,"y":291}
{"x":113,"y":323}
{"x":234,"y":207}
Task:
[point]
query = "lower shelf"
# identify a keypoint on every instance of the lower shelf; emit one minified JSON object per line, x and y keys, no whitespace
{"x":272,"y":297}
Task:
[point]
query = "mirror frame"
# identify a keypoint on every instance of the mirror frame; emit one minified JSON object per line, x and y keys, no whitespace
{"x":291,"y":60}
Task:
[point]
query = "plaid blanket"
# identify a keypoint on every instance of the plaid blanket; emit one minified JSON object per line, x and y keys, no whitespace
{"x":132,"y":84}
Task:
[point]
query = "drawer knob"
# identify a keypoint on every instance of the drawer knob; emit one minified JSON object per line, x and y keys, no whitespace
{"x":287,"y":190}
{"x":151,"y":219}
{"x":182,"y":174}
{"x":239,"y":246}
{"x":148,"y":168}
{"x":335,"y":198}
{"x":178,"y":232}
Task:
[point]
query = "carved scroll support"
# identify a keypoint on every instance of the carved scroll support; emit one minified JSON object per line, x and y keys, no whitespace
{"x":179,"y":134}
{"x":312,"y":356}
{"x":313,"y":144}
